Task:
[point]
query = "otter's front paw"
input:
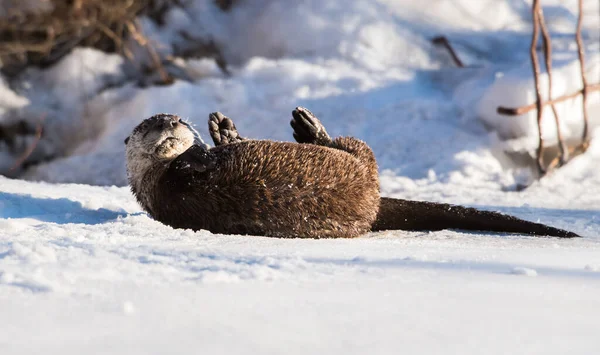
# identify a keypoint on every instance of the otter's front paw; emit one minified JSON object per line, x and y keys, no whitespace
{"x":222,"y":129}
{"x":308,"y":128}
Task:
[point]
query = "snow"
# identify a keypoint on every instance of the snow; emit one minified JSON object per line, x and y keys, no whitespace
{"x":84,"y":270}
{"x":513,"y":89}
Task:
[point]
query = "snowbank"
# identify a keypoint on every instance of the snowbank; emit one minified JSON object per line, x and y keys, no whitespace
{"x":513,"y":88}
{"x":372,"y":67}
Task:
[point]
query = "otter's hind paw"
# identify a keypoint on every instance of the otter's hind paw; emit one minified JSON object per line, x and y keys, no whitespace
{"x":222,"y":129}
{"x":308,"y":128}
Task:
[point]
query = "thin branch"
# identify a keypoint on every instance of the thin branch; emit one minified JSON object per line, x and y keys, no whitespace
{"x":585,"y":89}
{"x":548,"y":56}
{"x":115,"y":38}
{"x":536,"y":76}
{"x":565,"y":152}
{"x":443,"y":41}
{"x":38,"y":135}
{"x":516,"y":111}
{"x":136,"y":33}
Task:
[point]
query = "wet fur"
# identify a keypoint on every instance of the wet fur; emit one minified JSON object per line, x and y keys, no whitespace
{"x":255,"y":187}
{"x":399,"y":214}
{"x":319,"y":188}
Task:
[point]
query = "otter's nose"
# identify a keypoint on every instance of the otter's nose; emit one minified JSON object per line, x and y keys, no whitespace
{"x":167,"y":122}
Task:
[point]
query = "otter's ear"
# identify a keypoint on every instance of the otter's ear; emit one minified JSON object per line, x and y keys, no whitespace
{"x":127,"y":140}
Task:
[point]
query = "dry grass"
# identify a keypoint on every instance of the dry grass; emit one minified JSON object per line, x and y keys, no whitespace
{"x":42,"y":38}
{"x":39,"y":33}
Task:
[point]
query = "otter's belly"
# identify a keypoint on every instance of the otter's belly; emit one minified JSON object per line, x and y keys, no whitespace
{"x":288,"y":208}
{"x":279,"y":190}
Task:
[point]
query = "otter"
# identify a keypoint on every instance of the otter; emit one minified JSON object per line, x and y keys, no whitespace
{"x":318,"y":187}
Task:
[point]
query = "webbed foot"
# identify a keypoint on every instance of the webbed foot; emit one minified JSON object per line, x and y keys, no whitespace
{"x":222,"y":129}
{"x":308,"y":128}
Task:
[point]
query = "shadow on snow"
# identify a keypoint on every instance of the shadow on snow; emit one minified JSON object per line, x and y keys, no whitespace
{"x":61,"y":210}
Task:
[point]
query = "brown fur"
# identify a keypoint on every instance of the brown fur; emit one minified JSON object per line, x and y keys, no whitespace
{"x":259,"y":187}
{"x":255,"y":187}
{"x":321,"y":188}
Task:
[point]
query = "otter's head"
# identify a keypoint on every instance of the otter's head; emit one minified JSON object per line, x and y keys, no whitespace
{"x":158,"y":139}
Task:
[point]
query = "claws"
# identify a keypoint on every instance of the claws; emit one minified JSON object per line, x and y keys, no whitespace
{"x":308,"y":128}
{"x":222,"y":129}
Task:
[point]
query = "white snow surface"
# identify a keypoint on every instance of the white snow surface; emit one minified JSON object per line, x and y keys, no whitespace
{"x":84,"y":270}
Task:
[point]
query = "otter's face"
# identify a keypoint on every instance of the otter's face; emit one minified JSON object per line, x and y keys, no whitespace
{"x":162,"y":137}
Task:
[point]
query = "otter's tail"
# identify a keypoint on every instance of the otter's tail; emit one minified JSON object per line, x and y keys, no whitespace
{"x":400,"y":214}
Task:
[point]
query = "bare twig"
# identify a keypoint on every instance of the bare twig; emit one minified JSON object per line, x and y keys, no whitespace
{"x":565,"y":152}
{"x":548,"y":56}
{"x":536,"y":76}
{"x":38,"y":135}
{"x":30,"y":38}
{"x":516,"y":111}
{"x":443,"y":41}
{"x":115,"y":38}
{"x":137,"y":35}
{"x":585,"y":89}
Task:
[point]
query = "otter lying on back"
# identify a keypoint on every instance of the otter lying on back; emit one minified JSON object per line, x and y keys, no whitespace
{"x":317,"y":188}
